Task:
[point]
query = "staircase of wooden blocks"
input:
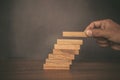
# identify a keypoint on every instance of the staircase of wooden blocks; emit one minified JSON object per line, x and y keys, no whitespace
{"x":64,"y":52}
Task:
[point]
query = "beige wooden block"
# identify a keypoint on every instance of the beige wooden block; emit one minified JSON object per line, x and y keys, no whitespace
{"x":62,"y":46}
{"x":69,"y":41}
{"x":52,"y":67}
{"x":58,"y":61}
{"x":57,"y":65}
{"x":55,"y":68}
{"x":60,"y":56}
{"x":57,"y":58}
{"x":71,"y":56}
{"x":74,"y":34}
{"x":64,"y":59}
{"x":65,"y":51}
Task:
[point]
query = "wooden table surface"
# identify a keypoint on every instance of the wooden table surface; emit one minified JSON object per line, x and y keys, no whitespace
{"x":31,"y":69}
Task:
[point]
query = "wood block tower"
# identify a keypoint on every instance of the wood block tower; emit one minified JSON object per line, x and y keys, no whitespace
{"x":64,"y":52}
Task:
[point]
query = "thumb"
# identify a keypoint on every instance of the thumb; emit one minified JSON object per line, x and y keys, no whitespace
{"x":88,"y":33}
{"x":96,"y":33}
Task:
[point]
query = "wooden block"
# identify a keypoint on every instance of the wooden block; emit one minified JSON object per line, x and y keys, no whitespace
{"x":56,"y":65}
{"x":61,"y":56}
{"x":50,"y":67}
{"x":72,"y":56}
{"x":74,"y":34}
{"x":55,"y":68}
{"x":69,"y":41}
{"x":58,"y":61}
{"x":62,"y":46}
{"x":69,"y":56}
{"x":65,"y":51}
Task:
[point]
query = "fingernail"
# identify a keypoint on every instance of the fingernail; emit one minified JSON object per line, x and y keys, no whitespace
{"x":89,"y":33}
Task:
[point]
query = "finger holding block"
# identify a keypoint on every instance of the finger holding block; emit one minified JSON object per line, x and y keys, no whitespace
{"x":74,"y":34}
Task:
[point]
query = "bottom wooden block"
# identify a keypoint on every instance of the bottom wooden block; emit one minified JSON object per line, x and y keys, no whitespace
{"x":58,"y":61}
{"x":55,"y":68}
{"x":52,"y":67}
{"x":56,"y":64}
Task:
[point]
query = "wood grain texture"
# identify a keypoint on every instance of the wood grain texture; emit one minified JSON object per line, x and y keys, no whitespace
{"x":57,"y":63}
{"x":74,"y":34}
{"x":60,"y":61}
{"x":61,"y":56}
{"x":55,"y":67}
{"x":65,"y":51}
{"x":31,"y":69}
{"x":72,"y":56}
{"x":62,"y":46}
{"x":70,"y":41}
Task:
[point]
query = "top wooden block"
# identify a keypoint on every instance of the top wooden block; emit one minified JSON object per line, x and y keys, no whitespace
{"x":74,"y":34}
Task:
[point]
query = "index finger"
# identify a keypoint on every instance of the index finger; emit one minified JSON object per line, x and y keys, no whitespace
{"x":93,"y":25}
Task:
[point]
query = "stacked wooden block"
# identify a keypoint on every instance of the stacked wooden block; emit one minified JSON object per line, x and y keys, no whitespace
{"x":64,"y":51}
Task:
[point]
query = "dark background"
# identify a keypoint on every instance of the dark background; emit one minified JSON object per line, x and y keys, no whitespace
{"x":29,"y":28}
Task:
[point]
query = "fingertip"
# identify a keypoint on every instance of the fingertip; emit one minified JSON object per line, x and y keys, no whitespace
{"x":88,"y":33}
{"x":104,"y":45}
{"x":115,"y":47}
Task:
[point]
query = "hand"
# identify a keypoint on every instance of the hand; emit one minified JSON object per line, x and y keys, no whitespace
{"x":106,"y":32}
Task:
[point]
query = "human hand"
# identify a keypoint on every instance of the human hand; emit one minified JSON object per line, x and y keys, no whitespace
{"x":106,"y":32}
